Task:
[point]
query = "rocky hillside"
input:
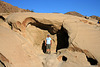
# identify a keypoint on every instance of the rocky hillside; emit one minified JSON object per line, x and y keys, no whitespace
{"x":8,"y":8}
{"x":80,"y":15}
{"x":74,"y":13}
{"x":95,"y":17}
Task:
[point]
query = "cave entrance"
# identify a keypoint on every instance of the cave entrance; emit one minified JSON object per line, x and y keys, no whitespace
{"x":92,"y":61}
{"x":62,"y":39}
{"x":62,"y":34}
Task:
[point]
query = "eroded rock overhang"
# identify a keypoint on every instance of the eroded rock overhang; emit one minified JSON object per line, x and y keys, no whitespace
{"x":54,"y":22}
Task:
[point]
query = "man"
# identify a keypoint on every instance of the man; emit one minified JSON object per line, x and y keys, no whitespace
{"x":48,"y":44}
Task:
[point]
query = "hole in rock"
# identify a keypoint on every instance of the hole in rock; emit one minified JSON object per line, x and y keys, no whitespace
{"x":62,"y":34}
{"x":92,"y":61}
{"x":2,"y":63}
{"x":2,"y":18}
{"x":10,"y":24}
{"x":64,"y":58}
{"x":62,"y":39}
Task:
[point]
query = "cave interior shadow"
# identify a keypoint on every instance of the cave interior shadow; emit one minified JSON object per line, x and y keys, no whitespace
{"x":62,"y":39}
{"x":43,"y":47}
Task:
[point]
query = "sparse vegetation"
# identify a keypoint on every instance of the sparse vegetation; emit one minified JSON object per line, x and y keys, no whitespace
{"x":32,"y":10}
{"x":8,"y":8}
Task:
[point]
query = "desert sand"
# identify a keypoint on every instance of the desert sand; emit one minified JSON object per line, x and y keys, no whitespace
{"x":75,"y":40}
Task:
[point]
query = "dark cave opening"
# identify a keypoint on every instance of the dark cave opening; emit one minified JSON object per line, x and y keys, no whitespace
{"x":64,"y":58}
{"x":62,"y":39}
{"x":92,"y":61}
{"x":2,"y":63}
{"x":2,"y":18}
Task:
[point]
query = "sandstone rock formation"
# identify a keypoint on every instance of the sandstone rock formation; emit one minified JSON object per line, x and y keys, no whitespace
{"x":75,"y":39}
{"x":16,"y":51}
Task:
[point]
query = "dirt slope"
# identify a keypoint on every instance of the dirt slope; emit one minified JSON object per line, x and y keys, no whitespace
{"x":8,"y":8}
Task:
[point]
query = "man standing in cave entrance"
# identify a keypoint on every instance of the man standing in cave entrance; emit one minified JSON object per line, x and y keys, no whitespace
{"x":48,"y":44}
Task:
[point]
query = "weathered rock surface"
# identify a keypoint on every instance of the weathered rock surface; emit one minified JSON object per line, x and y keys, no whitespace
{"x":78,"y":37}
{"x":16,"y":51}
{"x":66,"y":58}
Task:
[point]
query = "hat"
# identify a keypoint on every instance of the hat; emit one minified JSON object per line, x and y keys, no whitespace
{"x":48,"y":35}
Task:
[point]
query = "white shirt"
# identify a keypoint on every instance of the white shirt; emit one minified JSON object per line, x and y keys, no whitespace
{"x":48,"y":40}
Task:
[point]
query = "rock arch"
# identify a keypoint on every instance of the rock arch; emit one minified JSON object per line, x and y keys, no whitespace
{"x":62,"y":33}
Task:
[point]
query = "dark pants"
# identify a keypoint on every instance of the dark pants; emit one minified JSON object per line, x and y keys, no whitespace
{"x":48,"y":46}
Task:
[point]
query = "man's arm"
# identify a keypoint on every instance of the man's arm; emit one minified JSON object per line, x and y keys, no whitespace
{"x":51,"y":42}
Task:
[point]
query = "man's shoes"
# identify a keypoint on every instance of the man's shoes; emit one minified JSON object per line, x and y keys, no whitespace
{"x":48,"y":52}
